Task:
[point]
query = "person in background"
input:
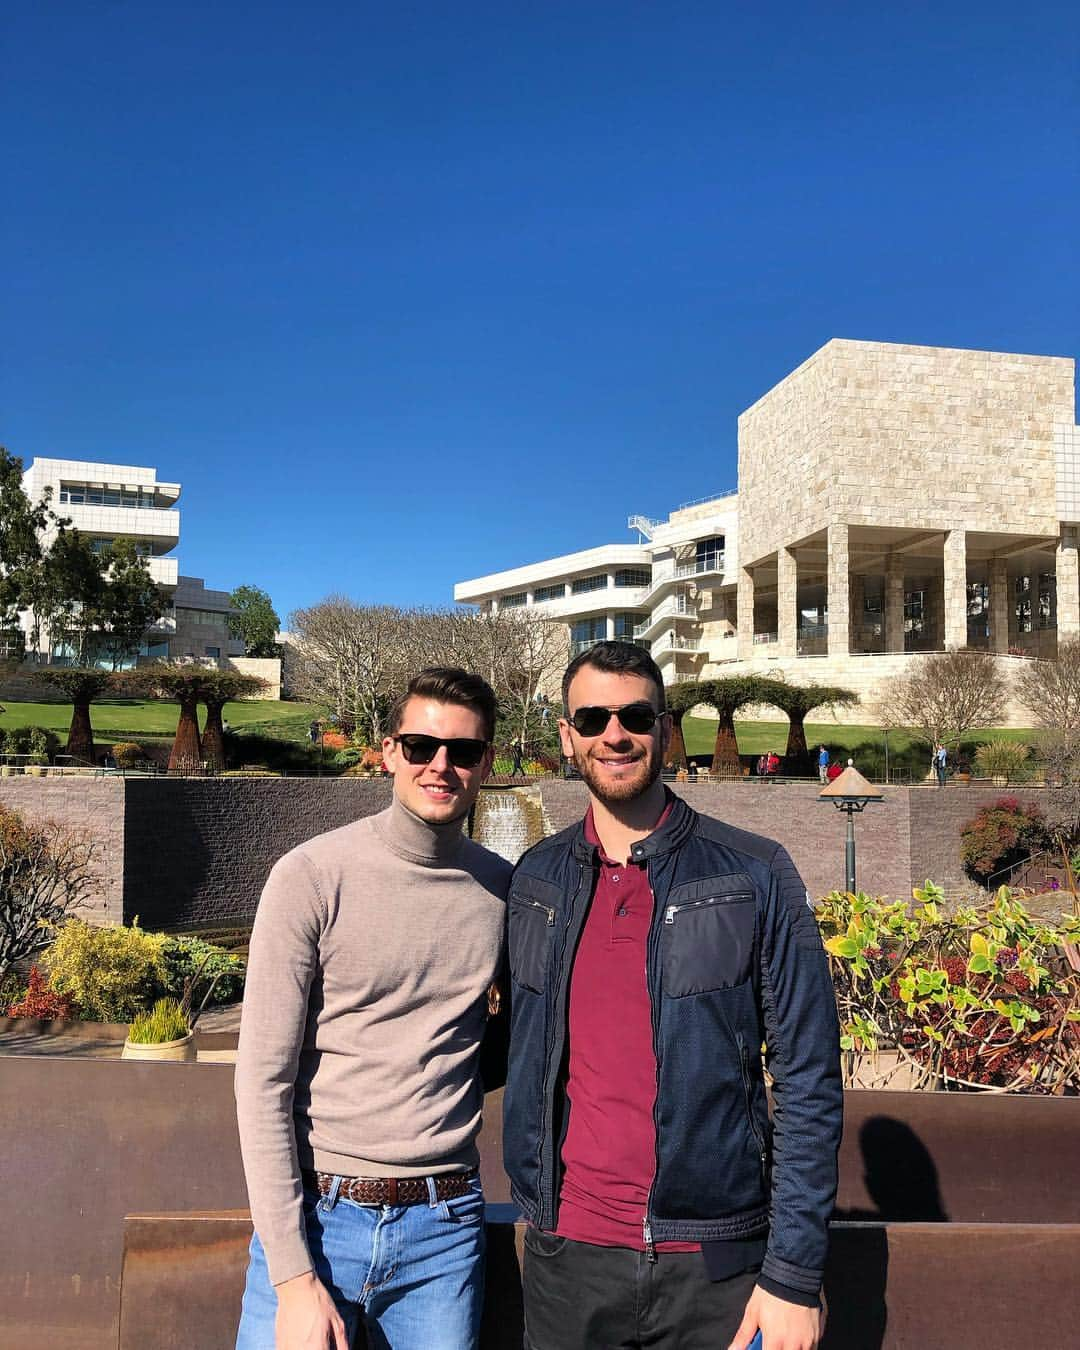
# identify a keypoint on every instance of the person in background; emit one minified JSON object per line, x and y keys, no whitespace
{"x":823,"y":764}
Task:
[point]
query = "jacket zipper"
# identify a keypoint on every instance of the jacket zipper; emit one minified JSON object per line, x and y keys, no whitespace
{"x":548,"y":1099}
{"x":672,"y":910}
{"x":651,"y":964}
{"x":535,"y":904}
{"x":744,"y":1065}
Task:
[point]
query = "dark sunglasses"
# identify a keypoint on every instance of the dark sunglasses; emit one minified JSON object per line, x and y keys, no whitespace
{"x":462,"y":751}
{"x":636,"y":718}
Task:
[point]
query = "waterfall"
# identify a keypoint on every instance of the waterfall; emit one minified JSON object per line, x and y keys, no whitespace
{"x":508,"y":821}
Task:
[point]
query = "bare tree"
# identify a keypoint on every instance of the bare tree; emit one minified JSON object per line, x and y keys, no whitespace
{"x":945,"y":695}
{"x":351,"y":657}
{"x":1050,"y":690}
{"x":46,"y":870}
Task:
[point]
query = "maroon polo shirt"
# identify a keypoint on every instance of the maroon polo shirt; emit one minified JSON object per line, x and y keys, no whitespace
{"x":609,"y":1154}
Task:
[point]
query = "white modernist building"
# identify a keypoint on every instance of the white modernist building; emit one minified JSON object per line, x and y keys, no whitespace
{"x":892,"y":500}
{"x":105,"y":502}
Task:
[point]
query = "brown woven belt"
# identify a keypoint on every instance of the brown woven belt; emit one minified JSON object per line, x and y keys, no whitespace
{"x":395,"y":1190}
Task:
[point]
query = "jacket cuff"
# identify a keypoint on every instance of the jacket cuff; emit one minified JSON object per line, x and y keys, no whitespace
{"x":797,"y":1279}
{"x":788,"y":1294}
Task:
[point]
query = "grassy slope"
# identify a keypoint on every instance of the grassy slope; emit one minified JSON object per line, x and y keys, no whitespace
{"x":118,"y":719}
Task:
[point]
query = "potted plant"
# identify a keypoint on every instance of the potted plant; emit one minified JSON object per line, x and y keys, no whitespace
{"x":39,"y":753}
{"x":1002,"y":761}
{"x":167,"y":1031}
{"x":163,"y":1033}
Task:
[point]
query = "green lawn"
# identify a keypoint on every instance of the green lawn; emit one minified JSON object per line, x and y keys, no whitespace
{"x":865,"y":744}
{"x":118,"y":719}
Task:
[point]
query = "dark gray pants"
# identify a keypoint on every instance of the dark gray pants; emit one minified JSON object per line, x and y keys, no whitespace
{"x":580,"y":1297}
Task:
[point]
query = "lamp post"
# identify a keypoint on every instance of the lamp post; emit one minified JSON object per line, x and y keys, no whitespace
{"x":850,"y":793}
{"x":885,"y":733}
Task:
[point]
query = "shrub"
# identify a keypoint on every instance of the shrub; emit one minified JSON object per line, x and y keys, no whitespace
{"x":32,"y":741}
{"x":127,"y":754}
{"x":111,"y":973}
{"x":40,"y":1001}
{"x":164,"y":1022}
{"x":987,"y":997}
{"x":38,"y":743}
{"x":12,"y":988}
{"x":999,"y":836}
{"x":184,"y":958}
{"x":1000,"y":758}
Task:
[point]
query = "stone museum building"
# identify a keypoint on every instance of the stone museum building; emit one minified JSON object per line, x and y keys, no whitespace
{"x":892,"y":500}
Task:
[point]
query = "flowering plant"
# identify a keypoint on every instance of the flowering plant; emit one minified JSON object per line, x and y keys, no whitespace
{"x":987,"y":997}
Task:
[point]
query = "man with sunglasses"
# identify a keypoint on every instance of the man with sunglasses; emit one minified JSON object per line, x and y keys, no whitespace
{"x":357,"y":1087}
{"x":652,"y":951}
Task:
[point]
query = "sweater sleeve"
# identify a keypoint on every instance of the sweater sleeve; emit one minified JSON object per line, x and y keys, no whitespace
{"x":281,"y":963}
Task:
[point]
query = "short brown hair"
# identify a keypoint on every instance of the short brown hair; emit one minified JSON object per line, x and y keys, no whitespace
{"x":617,"y":658}
{"x":448,"y":684}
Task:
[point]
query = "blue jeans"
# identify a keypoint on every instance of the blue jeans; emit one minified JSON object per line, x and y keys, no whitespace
{"x":411,"y":1275}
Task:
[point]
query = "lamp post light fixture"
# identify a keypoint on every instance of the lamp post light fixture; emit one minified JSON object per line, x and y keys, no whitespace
{"x":850,"y":793}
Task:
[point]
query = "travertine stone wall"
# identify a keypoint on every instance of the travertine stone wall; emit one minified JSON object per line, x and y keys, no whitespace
{"x":879,"y":433}
{"x":94,"y":806}
{"x":868,"y":675}
{"x":1068,"y":589}
{"x":838,"y":589}
{"x":954,"y":559}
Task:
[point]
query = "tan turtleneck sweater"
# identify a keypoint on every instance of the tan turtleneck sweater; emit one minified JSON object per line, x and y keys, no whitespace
{"x":364,"y":1007}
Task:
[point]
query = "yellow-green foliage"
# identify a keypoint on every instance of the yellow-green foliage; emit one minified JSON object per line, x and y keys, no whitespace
{"x":165,"y":1022}
{"x":128,"y":754}
{"x":109,"y":972}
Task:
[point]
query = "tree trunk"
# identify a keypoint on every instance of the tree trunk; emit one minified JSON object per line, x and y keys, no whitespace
{"x":676,"y":755}
{"x":213,"y":737}
{"x":726,"y":750}
{"x":186,"y":755}
{"x":796,"y":737}
{"x":80,"y":741}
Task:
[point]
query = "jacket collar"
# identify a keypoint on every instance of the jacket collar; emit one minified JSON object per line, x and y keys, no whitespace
{"x":671,"y":834}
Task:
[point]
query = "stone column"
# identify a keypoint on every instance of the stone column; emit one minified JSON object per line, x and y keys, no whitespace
{"x":999,"y":605}
{"x":786,"y":603}
{"x":954,"y":560}
{"x":744,"y":601}
{"x":894,"y":603}
{"x":1068,"y":585}
{"x":839,"y":626}
{"x":857,"y":603}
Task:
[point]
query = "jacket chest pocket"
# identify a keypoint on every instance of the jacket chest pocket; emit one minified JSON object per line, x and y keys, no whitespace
{"x":531,"y":923}
{"x":708,"y":942}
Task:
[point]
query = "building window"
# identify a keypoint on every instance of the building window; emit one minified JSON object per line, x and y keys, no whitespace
{"x":513,"y":601}
{"x":597,"y":582}
{"x":215,"y":652}
{"x":914,"y":611}
{"x":709,"y":554}
{"x":625,"y":625}
{"x":102,"y":543}
{"x":543,"y":593}
{"x":97,"y":494}
{"x":635,"y":577}
{"x":214,"y":617}
{"x":587,"y":633}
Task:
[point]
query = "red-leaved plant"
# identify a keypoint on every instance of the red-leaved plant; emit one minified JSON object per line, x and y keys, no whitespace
{"x":41,"y":1002}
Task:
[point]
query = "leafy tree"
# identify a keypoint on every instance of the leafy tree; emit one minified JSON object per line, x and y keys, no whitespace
{"x":945,"y":695}
{"x":45,"y":871}
{"x":129,"y":602}
{"x":185,"y":684}
{"x":218,"y":688}
{"x":65,"y":593}
{"x":21,"y":527}
{"x":797,"y":701}
{"x":726,"y":697}
{"x":80,"y":685}
{"x":254,"y":622}
{"x":1050,"y":690}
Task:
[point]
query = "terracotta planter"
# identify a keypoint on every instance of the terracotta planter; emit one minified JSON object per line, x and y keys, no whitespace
{"x":179,"y":1051}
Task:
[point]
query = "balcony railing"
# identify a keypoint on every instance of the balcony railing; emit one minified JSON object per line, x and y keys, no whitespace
{"x":678,"y":607}
{"x":672,"y":642}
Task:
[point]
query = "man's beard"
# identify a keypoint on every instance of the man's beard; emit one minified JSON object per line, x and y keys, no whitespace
{"x":626,"y":790}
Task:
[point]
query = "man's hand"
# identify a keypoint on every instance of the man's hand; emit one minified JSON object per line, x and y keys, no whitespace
{"x":306,"y":1316}
{"x":783,"y":1325}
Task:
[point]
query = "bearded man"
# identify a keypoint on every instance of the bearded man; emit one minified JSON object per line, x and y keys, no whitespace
{"x":653,"y":950}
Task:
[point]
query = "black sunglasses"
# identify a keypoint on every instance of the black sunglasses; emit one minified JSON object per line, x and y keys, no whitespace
{"x":636,"y":718}
{"x":462,"y":751}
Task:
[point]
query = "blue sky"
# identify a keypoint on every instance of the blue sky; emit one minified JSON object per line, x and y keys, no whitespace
{"x":404,"y":294}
